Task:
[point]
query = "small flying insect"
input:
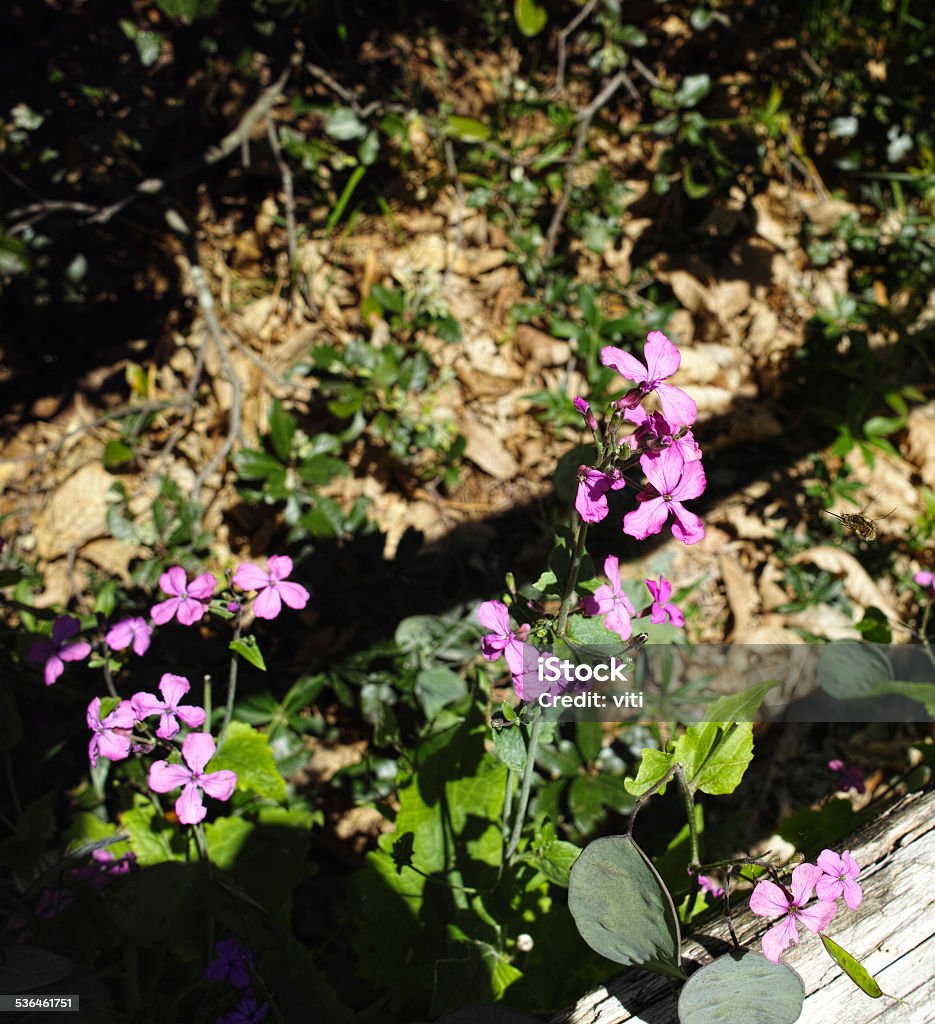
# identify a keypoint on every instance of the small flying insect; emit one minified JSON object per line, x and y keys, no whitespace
{"x":864,"y":527}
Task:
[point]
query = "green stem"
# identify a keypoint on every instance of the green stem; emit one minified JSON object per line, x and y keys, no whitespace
{"x":688,"y":799}
{"x":528,"y":773}
{"x":581,"y":528}
{"x":207,"y":703}
{"x":231,"y":688}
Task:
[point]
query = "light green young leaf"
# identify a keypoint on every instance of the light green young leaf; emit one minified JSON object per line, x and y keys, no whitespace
{"x":653,"y":766}
{"x":531,"y":19}
{"x":249,"y":650}
{"x":715,"y":755}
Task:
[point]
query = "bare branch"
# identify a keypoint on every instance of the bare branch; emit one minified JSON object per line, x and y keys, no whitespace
{"x":572,"y":25}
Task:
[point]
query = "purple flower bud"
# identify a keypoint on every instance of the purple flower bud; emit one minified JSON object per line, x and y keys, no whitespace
{"x":589,"y":418}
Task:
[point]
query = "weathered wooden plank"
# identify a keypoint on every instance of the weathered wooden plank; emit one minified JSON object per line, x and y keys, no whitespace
{"x":892,"y":934}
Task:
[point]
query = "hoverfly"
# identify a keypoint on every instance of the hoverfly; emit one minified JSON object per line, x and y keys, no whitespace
{"x":864,"y":527}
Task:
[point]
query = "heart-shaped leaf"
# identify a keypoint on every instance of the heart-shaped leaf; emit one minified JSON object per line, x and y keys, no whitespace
{"x":742,"y":988}
{"x":622,"y":908}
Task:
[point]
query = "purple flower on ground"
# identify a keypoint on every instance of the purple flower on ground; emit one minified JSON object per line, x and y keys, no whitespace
{"x":662,"y":360}
{"x":173,"y":689}
{"x":663,"y":610}
{"x":610,"y":601}
{"x":247,"y":1011}
{"x":925,"y":579}
{"x":197,"y":751}
{"x":671,"y":481}
{"x":849,"y":776}
{"x":60,"y":648}
{"x":769,"y":900}
{"x":233,"y":961}
{"x":189,"y":601}
{"x":274,"y":590}
{"x":135,"y":631}
{"x":111,"y":737}
{"x":839,"y":878}
{"x":591,"y":499}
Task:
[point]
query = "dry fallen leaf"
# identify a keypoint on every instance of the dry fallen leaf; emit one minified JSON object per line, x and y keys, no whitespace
{"x":76,"y":512}
{"x":920,"y":441}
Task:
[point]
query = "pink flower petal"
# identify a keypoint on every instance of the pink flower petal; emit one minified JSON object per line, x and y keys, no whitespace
{"x":168,"y":726}
{"x":293,"y":594}
{"x":268,"y":603}
{"x":173,"y":581}
{"x":662,"y":356}
{"x":618,"y":620}
{"x":647,"y":519}
{"x":75,"y":652}
{"x":146,"y":704}
{"x":188,"y":807}
{"x":853,"y":894}
{"x":164,"y":777}
{"x":495,"y":616}
{"x":219,"y":785}
{"x":519,"y":656}
{"x":830,"y":863}
{"x":202,"y":587}
{"x":198,"y":749}
{"x":663,"y":471}
{"x":280,"y":567}
{"x":190,"y":611}
{"x":688,"y":528}
{"x":850,"y":865}
{"x":692,"y":483}
{"x":173,"y":688}
{"x":250,"y":577}
{"x":768,"y":900}
{"x":678,"y":406}
{"x":114,"y":744}
{"x":818,"y":916}
{"x":93,"y":714}
{"x":119,"y":636}
{"x":164,"y":611}
{"x":779,"y":937}
{"x":192,"y":716}
{"x":54,"y":667}
{"x":626,"y":365}
{"x":804,"y":879}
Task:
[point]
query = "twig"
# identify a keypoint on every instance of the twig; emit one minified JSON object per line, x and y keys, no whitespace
{"x":345,"y":94}
{"x":296,"y":277}
{"x":267,"y":370}
{"x":187,"y":406}
{"x":563,"y":40}
{"x":584,"y":117}
{"x":216,"y":335}
{"x":645,"y":72}
{"x":459,"y":206}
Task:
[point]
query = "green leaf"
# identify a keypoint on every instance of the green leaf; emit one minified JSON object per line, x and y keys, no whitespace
{"x":859,"y":974}
{"x":116,"y":454}
{"x":530,"y":18}
{"x":282,"y":431}
{"x":255,"y":465}
{"x":321,"y":469}
{"x":739,"y":707}
{"x":742,"y":988}
{"x":554,"y":860}
{"x":150,"y":834}
{"x":653,"y":767}
{"x":693,"y":90}
{"x":847,"y":670}
{"x":924,"y":693}
{"x":249,"y":650}
{"x":343,"y":124}
{"x":224,"y":838}
{"x":246,"y":752}
{"x":715,"y":755}
{"x":438,"y":687}
{"x":508,"y":745}
{"x":187,"y":10}
{"x":621,"y":907}
{"x":467,"y":129}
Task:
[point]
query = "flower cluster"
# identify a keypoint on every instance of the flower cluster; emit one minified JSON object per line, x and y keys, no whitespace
{"x":669,"y":456}
{"x":188,"y":602}
{"x":831,"y":877}
{"x":612,"y":603}
{"x":112,"y":737}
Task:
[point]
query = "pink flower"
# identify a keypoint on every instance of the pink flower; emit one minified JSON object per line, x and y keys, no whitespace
{"x":197,"y":751}
{"x":189,"y":601}
{"x":589,"y":418}
{"x":671,"y":481}
{"x":838,"y":878}
{"x":769,"y":900}
{"x":173,"y":689}
{"x":653,"y":434}
{"x":111,"y":737}
{"x":495,"y":616}
{"x":925,"y":579}
{"x":662,"y":360}
{"x":610,"y":601}
{"x":134,"y":631}
{"x":849,"y":776}
{"x":272,"y":586}
{"x":662,"y":610}
{"x":711,"y":887}
{"x":593,"y":485}
{"x":56,"y":651}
